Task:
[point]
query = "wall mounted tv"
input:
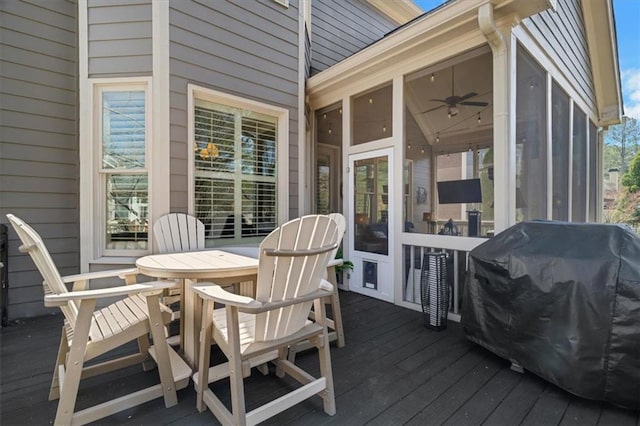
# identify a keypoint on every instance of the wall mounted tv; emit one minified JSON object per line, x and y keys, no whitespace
{"x":459,"y":191}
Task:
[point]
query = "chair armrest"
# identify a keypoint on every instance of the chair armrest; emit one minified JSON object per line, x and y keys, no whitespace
{"x":252,"y":306}
{"x":151,"y":287}
{"x":335,"y":262}
{"x":99,"y":274}
{"x":326,"y":285}
{"x":220,"y":295}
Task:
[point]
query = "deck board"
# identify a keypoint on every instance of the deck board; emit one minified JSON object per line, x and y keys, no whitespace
{"x":392,"y":371}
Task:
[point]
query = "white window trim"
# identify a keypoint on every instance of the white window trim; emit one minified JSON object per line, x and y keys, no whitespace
{"x":93,"y":209}
{"x":282,"y":170}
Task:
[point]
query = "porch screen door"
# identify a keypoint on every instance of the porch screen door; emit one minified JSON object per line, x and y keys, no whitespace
{"x":371,"y":215}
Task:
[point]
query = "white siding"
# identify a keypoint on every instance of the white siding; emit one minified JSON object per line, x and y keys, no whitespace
{"x":38,"y":139}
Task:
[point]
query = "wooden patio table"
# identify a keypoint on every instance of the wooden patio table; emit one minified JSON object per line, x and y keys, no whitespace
{"x":217,"y":266}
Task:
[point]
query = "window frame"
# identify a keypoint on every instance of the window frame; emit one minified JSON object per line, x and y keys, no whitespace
{"x":100,"y":174}
{"x":282,"y":147}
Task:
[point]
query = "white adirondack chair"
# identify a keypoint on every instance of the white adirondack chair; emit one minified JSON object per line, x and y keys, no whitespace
{"x":87,"y":334}
{"x":178,"y":232}
{"x":174,"y":233}
{"x":334,"y":323}
{"x":250,"y":332}
{"x":336,"y":329}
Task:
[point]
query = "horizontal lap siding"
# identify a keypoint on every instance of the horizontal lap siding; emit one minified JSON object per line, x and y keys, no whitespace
{"x":562,"y":35}
{"x":120,"y":38}
{"x":247,"y":49}
{"x":342,"y":28}
{"x":38,"y":139}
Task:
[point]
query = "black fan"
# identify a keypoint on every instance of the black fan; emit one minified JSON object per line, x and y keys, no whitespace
{"x":453,"y":101}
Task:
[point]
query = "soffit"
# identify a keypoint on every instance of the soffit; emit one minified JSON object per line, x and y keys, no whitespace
{"x":400,"y":11}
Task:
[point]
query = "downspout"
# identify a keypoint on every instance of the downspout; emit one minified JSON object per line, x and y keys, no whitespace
{"x":302,"y":127}
{"x":503,"y":152}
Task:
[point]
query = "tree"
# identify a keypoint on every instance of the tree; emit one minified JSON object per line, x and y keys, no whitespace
{"x":631,"y":179}
{"x":622,"y":144}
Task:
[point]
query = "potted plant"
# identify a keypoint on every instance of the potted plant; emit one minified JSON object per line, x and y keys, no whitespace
{"x":347,"y":266}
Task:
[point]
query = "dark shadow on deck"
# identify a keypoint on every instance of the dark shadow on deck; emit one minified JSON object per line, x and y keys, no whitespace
{"x":393,"y":371}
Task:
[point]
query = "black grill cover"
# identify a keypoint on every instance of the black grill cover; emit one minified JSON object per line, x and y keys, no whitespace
{"x":563,"y":301}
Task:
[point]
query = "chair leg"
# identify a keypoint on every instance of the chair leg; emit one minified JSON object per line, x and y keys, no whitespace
{"x":143,"y":347}
{"x":328,"y":397}
{"x":337,"y":316}
{"x":324,"y":355}
{"x":205,"y":354}
{"x":75,"y":363}
{"x":162,"y":351}
{"x":293,"y":351}
{"x":236,"y":380}
{"x":63,"y":350}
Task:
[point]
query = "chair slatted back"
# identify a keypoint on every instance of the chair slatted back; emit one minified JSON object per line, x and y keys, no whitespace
{"x":53,"y":283}
{"x":286,"y":277}
{"x":341,"y":221}
{"x":178,"y":232}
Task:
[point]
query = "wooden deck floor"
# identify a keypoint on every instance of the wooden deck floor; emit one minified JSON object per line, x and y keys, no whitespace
{"x":393,"y":371}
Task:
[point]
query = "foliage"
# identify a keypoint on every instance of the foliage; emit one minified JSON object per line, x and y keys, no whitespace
{"x":347,"y":265}
{"x":622,"y":143}
{"x":627,"y":208}
{"x":631,"y":179}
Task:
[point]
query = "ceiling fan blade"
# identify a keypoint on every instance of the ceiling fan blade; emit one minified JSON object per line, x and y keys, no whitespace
{"x":432,"y":109}
{"x":467,"y":96}
{"x":438,"y":100}
{"x":472,"y":103}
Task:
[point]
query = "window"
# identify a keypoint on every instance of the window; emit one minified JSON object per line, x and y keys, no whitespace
{"x":579,"y":167}
{"x":595,"y":173}
{"x":236,"y":153}
{"x":560,"y":134}
{"x":372,"y":118}
{"x":122,"y":131}
{"x":531,"y":139}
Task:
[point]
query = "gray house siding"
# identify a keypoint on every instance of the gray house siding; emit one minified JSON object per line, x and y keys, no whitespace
{"x":38,"y":139}
{"x":562,"y":34}
{"x":247,"y":49}
{"x":342,"y":28}
{"x":119,"y":36}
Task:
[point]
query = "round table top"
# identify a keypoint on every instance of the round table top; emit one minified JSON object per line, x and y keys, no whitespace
{"x":207,"y":264}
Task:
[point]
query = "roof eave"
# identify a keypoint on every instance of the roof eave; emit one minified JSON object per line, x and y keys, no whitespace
{"x":399,"y":11}
{"x":602,"y":45}
{"x":448,"y":18}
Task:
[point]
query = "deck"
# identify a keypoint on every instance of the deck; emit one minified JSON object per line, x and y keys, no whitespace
{"x":393,"y":371}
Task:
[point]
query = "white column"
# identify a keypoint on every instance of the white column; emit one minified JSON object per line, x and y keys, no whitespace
{"x":160,"y":140}
{"x":500,"y":40}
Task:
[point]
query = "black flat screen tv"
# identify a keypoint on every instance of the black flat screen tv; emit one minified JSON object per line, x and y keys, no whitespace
{"x":459,"y":191}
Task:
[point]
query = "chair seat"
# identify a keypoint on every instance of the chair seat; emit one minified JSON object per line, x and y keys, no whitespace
{"x":118,"y":317}
{"x":247,"y":327}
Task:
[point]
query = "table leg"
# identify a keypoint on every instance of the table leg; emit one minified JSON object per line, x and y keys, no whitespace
{"x":191,"y":323}
{"x":248,"y":288}
{"x":182,"y":312}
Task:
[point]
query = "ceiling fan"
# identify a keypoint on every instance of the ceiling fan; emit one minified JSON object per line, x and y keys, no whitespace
{"x":453,"y":101}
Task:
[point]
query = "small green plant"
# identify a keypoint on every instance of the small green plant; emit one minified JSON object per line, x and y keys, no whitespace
{"x":347,"y":265}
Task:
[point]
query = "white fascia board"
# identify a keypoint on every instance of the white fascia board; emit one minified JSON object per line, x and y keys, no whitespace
{"x":602,"y":45}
